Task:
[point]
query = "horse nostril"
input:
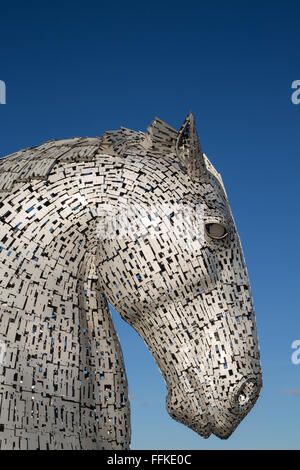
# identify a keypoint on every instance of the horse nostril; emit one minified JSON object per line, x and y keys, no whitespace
{"x":247,"y":394}
{"x":242,"y":398}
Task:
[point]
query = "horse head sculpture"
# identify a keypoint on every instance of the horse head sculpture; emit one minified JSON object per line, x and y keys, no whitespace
{"x":142,"y":221}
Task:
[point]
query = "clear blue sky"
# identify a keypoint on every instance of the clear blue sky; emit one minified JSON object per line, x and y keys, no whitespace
{"x":80,"y":68}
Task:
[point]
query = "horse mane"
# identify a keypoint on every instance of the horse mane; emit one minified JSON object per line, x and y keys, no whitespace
{"x":36,"y":163}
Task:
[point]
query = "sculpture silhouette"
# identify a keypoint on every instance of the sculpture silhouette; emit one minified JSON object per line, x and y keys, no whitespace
{"x":140,"y":220}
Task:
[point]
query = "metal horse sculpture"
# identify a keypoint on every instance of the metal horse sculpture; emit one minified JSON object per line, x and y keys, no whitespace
{"x":182,"y":286}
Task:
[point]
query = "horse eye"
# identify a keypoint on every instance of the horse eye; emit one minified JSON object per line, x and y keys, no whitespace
{"x":216,"y":231}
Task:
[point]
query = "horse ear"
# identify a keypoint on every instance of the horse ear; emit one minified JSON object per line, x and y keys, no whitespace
{"x":189,"y":150}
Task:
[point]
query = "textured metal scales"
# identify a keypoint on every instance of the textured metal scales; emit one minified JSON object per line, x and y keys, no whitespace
{"x":185,"y":291}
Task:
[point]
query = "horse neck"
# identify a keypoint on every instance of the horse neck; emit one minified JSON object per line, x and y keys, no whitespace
{"x":49,"y":280}
{"x":101,"y":357}
{"x":103,"y":376}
